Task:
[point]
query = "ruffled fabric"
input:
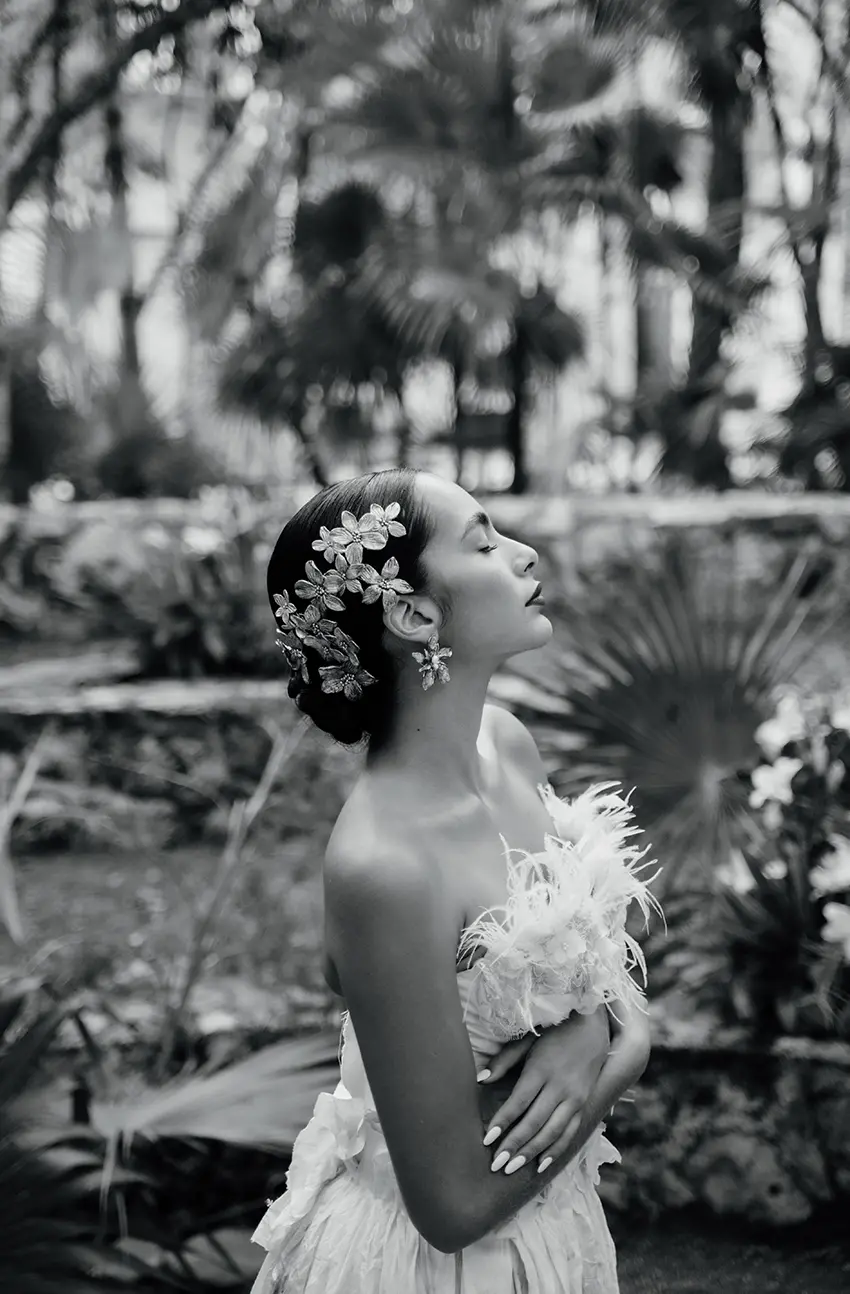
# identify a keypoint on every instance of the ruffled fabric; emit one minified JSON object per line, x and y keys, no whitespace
{"x":355,"y":1236}
{"x":342,"y":1228}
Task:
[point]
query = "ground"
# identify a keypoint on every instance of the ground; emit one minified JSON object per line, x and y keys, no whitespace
{"x":670,"y":1259}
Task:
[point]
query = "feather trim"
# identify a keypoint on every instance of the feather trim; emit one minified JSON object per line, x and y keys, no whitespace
{"x":561,"y":945}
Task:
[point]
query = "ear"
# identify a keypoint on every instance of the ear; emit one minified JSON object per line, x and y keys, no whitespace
{"x":413,"y":619}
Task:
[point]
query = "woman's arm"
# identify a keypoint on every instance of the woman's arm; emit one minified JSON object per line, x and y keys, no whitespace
{"x":393,"y":942}
{"x":502,"y":1196}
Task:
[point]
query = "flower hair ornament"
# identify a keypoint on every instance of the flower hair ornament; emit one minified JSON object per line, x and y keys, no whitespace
{"x":343,"y":547}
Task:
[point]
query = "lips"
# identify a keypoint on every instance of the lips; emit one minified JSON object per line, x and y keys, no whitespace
{"x":535,"y":595}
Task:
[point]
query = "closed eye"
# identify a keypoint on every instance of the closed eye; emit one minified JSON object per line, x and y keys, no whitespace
{"x":491,"y":549}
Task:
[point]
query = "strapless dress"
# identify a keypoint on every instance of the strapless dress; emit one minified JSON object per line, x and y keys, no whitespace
{"x":341,"y":1226}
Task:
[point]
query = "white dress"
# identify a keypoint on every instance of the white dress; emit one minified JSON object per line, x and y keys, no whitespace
{"x":341,"y":1227}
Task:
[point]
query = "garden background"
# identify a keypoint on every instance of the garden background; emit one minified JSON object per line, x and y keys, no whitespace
{"x":590,"y":259}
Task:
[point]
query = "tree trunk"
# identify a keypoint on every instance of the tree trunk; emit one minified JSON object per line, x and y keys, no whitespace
{"x":309,"y":448}
{"x":5,"y":419}
{"x":115,"y":162}
{"x":725,"y":212}
{"x":653,"y":347}
{"x":53,"y":156}
{"x":518,"y":372}
{"x":459,"y":428}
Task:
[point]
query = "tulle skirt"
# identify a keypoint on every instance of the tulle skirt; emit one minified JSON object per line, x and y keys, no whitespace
{"x":354,"y":1236}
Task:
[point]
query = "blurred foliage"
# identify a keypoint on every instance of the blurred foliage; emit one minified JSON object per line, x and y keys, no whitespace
{"x":668,"y":666}
{"x":488,"y":114}
{"x":816,"y":449}
{"x":48,"y":437}
{"x":196,"y":607}
{"x":46,"y":1176}
{"x":152,"y":1188}
{"x":384,"y":199}
{"x":765,"y":959}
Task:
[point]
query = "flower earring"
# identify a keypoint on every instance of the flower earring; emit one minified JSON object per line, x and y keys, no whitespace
{"x":431,"y":665}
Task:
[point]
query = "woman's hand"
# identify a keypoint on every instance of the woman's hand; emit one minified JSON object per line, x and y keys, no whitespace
{"x":544,"y":1110}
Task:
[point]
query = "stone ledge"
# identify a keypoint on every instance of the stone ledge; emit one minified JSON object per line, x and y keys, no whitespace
{"x":159,"y":696}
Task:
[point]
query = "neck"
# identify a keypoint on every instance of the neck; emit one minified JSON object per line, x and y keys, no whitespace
{"x":436,"y":732}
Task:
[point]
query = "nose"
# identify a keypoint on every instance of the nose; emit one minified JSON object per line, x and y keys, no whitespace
{"x":527,"y":558}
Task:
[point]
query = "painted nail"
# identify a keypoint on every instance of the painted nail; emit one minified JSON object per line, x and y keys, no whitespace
{"x":516,"y":1162}
{"x":500,"y":1161}
{"x":492,"y":1135}
{"x":544,"y":1164}
{"x":482,"y":1074}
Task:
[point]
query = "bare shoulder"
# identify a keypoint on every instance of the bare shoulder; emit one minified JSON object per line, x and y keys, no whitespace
{"x":513,"y":740}
{"x":369,"y":838}
{"x":375,"y":870}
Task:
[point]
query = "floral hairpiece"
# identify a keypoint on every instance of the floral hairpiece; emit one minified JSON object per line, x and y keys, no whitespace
{"x":343,"y":547}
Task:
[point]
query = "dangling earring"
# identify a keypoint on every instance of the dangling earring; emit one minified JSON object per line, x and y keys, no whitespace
{"x":431,"y":665}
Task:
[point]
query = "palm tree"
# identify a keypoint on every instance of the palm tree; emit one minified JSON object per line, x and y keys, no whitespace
{"x":496,"y":112}
{"x":324,"y":339}
{"x":723,"y":44}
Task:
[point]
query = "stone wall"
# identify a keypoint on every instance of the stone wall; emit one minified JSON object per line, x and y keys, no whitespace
{"x":760,"y":1136}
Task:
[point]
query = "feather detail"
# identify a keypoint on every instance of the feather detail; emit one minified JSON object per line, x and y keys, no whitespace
{"x":559,"y":944}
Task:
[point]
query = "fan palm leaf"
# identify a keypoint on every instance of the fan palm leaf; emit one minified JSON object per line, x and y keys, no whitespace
{"x":667,"y":676}
{"x":262,"y":1101}
{"x":446,"y":110}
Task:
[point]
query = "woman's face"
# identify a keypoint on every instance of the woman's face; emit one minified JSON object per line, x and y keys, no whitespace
{"x":486,"y":577}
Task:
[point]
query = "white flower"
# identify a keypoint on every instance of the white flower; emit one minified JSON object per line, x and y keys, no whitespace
{"x":735,"y":874}
{"x":788,"y":724}
{"x":203,"y":539}
{"x":771,"y":816}
{"x":773,"y":782}
{"x":840,"y":717}
{"x":776,"y":870}
{"x":833,"y":873}
{"x":837,"y":928}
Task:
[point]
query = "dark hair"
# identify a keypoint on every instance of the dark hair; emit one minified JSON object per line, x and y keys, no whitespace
{"x":371,"y":715}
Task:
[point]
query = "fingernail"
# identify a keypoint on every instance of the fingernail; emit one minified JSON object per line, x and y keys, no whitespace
{"x":492,"y":1135}
{"x":482,"y":1074}
{"x":500,"y":1161}
{"x":516,"y":1162}
{"x":544,"y":1164}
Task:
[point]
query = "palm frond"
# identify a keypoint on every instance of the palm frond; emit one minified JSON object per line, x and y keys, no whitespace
{"x":555,"y":338}
{"x":430,"y":284}
{"x":262,"y":1101}
{"x":668,"y":673}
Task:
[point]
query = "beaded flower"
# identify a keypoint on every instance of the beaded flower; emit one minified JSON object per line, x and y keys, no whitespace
{"x":343,"y":548}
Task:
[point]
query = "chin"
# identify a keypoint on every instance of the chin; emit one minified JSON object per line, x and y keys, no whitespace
{"x":538,"y":633}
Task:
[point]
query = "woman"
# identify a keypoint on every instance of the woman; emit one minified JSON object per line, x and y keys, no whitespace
{"x":396,"y":599}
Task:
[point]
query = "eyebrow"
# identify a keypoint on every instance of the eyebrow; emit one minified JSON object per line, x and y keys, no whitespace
{"x":480,"y":519}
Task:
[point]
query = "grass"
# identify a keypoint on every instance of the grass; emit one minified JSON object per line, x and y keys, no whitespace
{"x":686,"y":1258}
{"x":118,"y":910}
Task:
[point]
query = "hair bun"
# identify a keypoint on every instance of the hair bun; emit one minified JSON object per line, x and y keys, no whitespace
{"x":332,"y":712}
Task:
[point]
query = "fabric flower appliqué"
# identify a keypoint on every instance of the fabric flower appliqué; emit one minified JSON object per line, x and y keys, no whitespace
{"x":335,"y":1133}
